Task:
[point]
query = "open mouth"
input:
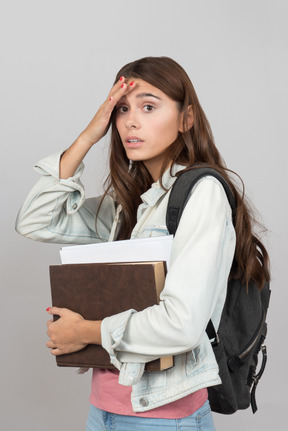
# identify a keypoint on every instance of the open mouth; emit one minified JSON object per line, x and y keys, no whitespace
{"x":133,"y":140}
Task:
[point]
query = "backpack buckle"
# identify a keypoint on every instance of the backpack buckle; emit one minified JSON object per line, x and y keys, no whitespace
{"x":216,"y":341}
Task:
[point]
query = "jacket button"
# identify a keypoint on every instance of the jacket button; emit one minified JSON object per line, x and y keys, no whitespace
{"x":144,"y":402}
{"x":74,"y":206}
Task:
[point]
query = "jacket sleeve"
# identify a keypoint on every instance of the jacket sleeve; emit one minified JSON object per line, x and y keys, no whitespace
{"x":201,"y":258}
{"x":56,"y":210}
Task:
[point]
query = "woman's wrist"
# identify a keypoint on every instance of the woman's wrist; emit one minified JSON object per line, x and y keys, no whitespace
{"x":90,"y":331}
{"x":85,"y":141}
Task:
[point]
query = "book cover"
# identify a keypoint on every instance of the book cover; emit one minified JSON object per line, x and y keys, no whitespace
{"x":99,"y":290}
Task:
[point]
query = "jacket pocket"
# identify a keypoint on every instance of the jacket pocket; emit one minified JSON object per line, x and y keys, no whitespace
{"x":154,"y":230}
{"x":150,"y":380}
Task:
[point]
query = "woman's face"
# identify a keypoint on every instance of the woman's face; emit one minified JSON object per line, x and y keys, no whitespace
{"x":148,"y":122}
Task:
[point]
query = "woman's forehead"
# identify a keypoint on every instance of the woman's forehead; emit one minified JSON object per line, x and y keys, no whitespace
{"x":143,"y":90}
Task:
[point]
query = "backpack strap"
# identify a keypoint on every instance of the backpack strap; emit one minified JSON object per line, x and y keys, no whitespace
{"x":181,"y":190}
{"x":178,"y":198}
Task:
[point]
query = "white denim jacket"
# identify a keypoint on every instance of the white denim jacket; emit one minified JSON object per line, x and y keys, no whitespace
{"x":195,"y":287}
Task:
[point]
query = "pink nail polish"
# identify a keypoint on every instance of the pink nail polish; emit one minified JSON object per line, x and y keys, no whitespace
{"x":110,"y":98}
{"x":47,"y":309}
{"x":122,"y":85}
{"x":131,"y":83}
{"x":121,"y":79}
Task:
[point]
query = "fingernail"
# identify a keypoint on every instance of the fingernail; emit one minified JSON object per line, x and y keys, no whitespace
{"x":131,"y":83}
{"x":121,"y":79}
{"x":110,"y":98}
{"x":47,"y":309}
{"x":122,"y":85}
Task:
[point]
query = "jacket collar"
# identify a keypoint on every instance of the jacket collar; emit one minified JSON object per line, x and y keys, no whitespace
{"x":156,"y":191}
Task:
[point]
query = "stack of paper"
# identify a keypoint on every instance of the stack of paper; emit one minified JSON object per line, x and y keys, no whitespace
{"x":132,"y":250}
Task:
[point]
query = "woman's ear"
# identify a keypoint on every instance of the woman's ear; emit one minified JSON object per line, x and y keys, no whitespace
{"x":189,"y":121}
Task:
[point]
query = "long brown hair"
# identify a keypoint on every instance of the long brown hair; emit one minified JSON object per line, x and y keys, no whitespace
{"x":128,"y":180}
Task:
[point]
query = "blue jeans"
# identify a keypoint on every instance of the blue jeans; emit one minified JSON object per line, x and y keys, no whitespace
{"x":99,"y":420}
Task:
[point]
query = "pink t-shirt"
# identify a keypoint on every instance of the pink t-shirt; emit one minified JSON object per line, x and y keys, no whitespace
{"x":107,"y":394}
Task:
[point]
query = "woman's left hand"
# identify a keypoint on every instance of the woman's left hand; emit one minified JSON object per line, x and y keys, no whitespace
{"x":66,"y":333}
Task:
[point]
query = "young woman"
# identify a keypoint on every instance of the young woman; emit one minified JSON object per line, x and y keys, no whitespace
{"x":158,"y":129}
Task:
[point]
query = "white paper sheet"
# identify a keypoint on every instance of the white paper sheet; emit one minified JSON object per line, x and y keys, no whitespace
{"x":133,"y":250}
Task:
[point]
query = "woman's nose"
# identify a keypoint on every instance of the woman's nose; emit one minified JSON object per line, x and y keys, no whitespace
{"x":132,"y":121}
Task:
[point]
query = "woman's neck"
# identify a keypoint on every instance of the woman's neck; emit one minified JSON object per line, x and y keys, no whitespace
{"x":155,"y":168}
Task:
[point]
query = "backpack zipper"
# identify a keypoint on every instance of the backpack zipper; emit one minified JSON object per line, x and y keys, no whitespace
{"x":255,"y":339}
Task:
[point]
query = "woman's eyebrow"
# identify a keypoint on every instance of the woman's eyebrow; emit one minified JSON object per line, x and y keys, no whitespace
{"x":141,"y":95}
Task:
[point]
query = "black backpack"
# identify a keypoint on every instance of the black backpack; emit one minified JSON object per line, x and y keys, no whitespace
{"x":242,"y":329}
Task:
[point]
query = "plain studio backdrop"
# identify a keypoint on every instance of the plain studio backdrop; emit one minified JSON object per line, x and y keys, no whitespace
{"x":58,"y":62}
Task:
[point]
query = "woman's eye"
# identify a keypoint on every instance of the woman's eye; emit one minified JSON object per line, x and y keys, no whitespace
{"x":149,"y":108}
{"x":122,"y":109}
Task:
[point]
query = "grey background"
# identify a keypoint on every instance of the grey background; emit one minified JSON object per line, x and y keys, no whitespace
{"x":58,"y":60}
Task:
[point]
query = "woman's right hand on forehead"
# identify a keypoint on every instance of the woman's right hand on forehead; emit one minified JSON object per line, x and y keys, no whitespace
{"x":96,"y":129}
{"x":98,"y":126}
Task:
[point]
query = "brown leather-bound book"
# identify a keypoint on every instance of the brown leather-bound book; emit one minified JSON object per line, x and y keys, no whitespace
{"x":99,"y":290}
